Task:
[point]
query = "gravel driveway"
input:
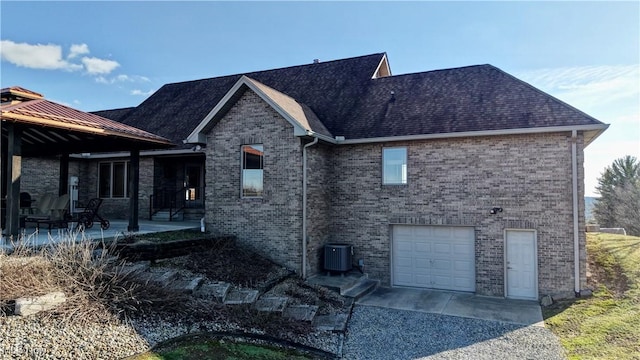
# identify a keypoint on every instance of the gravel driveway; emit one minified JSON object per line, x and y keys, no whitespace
{"x":381,"y":333}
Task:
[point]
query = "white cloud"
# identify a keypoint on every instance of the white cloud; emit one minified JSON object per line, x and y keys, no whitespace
{"x":609,"y":93}
{"x":589,"y":88}
{"x":141,"y":93}
{"x":77,"y":49}
{"x":39,"y":56}
{"x":121,"y":78}
{"x":95,"y":66}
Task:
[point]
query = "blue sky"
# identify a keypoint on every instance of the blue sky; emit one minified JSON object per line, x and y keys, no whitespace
{"x":102,"y":55}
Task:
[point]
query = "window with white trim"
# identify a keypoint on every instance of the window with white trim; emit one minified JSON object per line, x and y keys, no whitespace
{"x":394,"y":166}
{"x":113,"y":179}
{"x":252,"y":170}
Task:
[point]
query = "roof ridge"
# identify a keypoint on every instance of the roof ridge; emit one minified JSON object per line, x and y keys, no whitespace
{"x":435,"y":71}
{"x":275,"y":69}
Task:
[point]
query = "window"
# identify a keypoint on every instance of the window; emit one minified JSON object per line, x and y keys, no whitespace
{"x":252,"y":165}
{"x":113,"y":179}
{"x":394,"y":166}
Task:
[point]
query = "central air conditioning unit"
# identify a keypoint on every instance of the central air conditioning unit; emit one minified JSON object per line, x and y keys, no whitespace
{"x":337,"y":257}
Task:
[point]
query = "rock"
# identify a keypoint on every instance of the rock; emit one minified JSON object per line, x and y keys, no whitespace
{"x":586,"y":292}
{"x":34,"y":305}
{"x":546,"y":300}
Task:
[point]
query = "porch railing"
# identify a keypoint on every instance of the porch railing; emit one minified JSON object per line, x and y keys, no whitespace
{"x":173,"y":201}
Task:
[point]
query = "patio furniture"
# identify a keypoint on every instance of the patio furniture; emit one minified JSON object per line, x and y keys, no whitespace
{"x":88,"y":215}
{"x":25,"y":203}
{"x":56,"y":216}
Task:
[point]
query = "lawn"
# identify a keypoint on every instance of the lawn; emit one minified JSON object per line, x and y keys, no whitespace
{"x":220,"y":350}
{"x":606,"y":325}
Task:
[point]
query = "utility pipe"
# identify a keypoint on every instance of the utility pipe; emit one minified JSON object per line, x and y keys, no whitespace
{"x":576,"y":238}
{"x":304,"y":204}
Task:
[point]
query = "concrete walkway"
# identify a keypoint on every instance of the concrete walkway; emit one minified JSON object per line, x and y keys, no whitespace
{"x":519,"y":312}
{"x":117,"y":229}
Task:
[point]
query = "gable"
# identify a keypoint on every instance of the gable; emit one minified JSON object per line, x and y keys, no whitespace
{"x":298,"y":115}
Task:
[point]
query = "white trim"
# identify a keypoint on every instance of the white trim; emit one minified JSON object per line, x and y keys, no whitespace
{"x":576,"y":238}
{"x":298,"y":129}
{"x":535,"y":255}
{"x":406,"y":165}
{"x":142,"y":153}
{"x":383,"y":61}
{"x":304,"y":206}
{"x":550,"y":129}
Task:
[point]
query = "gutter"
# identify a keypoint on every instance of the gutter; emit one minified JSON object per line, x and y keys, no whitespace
{"x":576,"y":238}
{"x":304,"y":202}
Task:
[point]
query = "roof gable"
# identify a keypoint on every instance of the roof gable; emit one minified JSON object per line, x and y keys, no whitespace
{"x":300,"y":116}
{"x":329,"y":89}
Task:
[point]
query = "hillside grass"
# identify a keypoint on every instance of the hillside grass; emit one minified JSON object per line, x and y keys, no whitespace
{"x":606,"y":325}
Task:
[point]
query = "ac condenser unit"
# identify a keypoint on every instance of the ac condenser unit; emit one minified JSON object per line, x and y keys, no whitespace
{"x":337,"y":257}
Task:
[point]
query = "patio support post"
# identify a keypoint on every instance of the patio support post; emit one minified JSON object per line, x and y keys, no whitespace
{"x":134,"y":180}
{"x":63,"y":183}
{"x":14,"y":172}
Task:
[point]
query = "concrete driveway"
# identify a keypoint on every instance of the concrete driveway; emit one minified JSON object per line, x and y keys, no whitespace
{"x":456,"y":304}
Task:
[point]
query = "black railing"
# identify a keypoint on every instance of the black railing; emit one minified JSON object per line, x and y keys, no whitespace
{"x":173,"y":201}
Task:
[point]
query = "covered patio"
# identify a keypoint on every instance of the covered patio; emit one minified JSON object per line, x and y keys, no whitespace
{"x":32,"y":126}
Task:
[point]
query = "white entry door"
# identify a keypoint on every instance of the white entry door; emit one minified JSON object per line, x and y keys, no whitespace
{"x":521,"y":264}
{"x":437,"y":257}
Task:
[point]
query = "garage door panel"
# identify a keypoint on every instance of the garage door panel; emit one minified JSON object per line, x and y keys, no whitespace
{"x":442,"y":248}
{"x":438,"y":257}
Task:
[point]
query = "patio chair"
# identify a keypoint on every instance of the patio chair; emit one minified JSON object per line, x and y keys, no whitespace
{"x":88,"y":215}
{"x":57,"y":216}
{"x":25,"y":203}
{"x":43,"y":205}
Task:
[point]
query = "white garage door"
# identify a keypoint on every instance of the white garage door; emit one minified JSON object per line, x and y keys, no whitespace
{"x":437,"y":257}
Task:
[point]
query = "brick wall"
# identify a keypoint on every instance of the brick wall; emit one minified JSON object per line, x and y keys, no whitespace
{"x":319,"y":195}
{"x":42,"y":175}
{"x":271,"y":225}
{"x":457,"y":182}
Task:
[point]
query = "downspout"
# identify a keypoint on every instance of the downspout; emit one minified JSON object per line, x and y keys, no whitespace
{"x":576,"y":238}
{"x":304,"y":204}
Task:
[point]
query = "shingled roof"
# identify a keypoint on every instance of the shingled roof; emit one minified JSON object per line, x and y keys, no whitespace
{"x":331,"y":89}
{"x":348,"y":100}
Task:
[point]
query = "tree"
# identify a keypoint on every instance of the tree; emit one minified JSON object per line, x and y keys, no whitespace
{"x":619,"y":186}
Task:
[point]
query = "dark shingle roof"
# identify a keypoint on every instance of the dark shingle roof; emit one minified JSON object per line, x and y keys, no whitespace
{"x":345,"y":98}
{"x":114,"y":114}
{"x":331,"y":89}
{"x":473,"y":98}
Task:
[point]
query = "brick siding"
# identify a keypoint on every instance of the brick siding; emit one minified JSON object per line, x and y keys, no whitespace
{"x":272,"y":224}
{"x":457,"y":182}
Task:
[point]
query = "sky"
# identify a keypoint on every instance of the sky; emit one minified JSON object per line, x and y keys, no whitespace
{"x":98,"y":55}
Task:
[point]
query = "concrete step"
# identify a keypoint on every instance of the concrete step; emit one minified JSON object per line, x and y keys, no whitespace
{"x":241,"y":296}
{"x":164,"y":216}
{"x":271,"y":304}
{"x":187,"y":286}
{"x":362,"y":288}
{"x":300,"y":312}
{"x":340,"y":282}
{"x":336,"y":322}
{"x":216,"y":289}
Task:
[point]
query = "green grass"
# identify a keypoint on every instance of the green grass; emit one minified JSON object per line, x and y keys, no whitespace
{"x":606,"y":325}
{"x":220,"y":350}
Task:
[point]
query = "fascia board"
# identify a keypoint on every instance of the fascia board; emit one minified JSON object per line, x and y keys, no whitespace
{"x":194,"y":137}
{"x":597,"y":127}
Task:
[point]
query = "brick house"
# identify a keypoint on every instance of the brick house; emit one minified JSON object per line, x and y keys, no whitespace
{"x":463,"y":179}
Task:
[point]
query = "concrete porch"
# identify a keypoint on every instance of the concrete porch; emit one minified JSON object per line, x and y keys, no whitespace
{"x":118,"y":228}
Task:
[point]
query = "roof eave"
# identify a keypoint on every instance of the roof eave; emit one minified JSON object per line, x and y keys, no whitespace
{"x":594,"y":130}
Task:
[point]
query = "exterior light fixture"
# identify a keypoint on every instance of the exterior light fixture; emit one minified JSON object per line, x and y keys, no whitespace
{"x":495,"y":210}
